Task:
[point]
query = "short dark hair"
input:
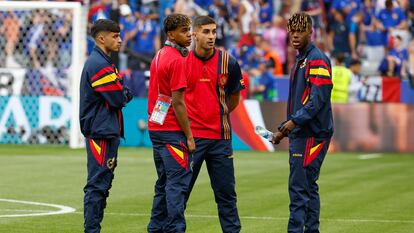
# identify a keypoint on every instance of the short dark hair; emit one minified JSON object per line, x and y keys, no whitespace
{"x":173,"y":21}
{"x":202,"y":20}
{"x":300,"y":22}
{"x":355,"y":62}
{"x":388,"y":4}
{"x":340,"y":57}
{"x":104,"y":25}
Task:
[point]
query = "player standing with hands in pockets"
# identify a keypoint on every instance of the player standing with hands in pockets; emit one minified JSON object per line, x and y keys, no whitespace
{"x":169,"y":127}
{"x":102,"y":96}
{"x":309,"y":125}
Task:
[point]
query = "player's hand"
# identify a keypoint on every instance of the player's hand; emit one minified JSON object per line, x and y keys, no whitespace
{"x":191,"y":145}
{"x":287,"y":127}
{"x":128,"y":94}
{"x":277,"y":137}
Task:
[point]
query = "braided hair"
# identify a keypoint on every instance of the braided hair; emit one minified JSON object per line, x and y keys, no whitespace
{"x":299,"y":22}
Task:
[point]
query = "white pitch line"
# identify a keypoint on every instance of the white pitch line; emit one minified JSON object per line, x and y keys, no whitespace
{"x":61,"y":209}
{"x":22,"y":210}
{"x":370,"y":156}
{"x":272,"y":218}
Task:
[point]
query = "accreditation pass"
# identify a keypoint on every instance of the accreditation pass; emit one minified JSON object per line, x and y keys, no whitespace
{"x":160,"y":109}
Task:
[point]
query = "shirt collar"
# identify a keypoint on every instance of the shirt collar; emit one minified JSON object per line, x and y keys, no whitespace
{"x":204,"y":58}
{"x":108,"y":58}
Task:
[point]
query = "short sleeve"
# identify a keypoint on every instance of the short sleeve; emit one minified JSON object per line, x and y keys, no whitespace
{"x":236,"y":82}
{"x":178,"y":75}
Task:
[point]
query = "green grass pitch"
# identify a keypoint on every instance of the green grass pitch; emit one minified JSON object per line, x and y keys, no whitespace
{"x":374,"y":195}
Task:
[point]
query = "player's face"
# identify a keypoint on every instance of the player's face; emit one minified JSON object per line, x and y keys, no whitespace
{"x":300,"y":40}
{"x":181,"y":36}
{"x":112,"y":41}
{"x":205,"y":36}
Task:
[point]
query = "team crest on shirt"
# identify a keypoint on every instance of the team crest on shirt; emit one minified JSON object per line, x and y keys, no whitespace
{"x":242,"y":82}
{"x":394,"y":16}
{"x":303,"y":63}
{"x":223,"y":79}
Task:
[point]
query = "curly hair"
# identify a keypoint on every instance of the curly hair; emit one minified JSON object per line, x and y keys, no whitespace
{"x":300,"y":22}
{"x":173,"y":21}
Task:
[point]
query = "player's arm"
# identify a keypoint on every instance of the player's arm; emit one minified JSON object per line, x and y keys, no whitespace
{"x":109,"y":86}
{"x":320,"y":79}
{"x":235,"y":84}
{"x":234,"y":101}
{"x":180,"y":110}
{"x":178,"y":83}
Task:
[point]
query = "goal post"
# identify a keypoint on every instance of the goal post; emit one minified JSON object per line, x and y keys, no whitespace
{"x":40,"y":75}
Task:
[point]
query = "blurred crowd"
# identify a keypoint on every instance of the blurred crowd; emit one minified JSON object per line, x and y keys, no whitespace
{"x":374,"y":35}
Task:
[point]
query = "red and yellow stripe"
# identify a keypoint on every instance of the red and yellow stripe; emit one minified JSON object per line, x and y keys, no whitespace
{"x":98,"y":151}
{"x":105,"y":79}
{"x":101,"y":72}
{"x":222,"y":97}
{"x":311,"y":152}
{"x":179,"y":156}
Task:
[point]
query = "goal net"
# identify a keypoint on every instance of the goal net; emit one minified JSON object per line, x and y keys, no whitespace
{"x":42,"y":50}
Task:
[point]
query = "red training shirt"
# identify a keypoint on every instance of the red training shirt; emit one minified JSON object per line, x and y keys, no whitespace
{"x":169,"y":73}
{"x":211,"y":81}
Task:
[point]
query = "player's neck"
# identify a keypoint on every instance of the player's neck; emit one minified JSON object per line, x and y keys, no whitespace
{"x":304,"y":48}
{"x":106,"y":51}
{"x":204,"y":53}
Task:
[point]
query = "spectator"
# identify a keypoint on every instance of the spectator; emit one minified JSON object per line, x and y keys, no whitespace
{"x":146,"y":40}
{"x":99,"y":9}
{"x":265,"y":13}
{"x":254,"y":53}
{"x":188,"y":7}
{"x":411,"y":60}
{"x":271,"y":56}
{"x":10,"y":29}
{"x":341,"y":77}
{"x":396,"y":61}
{"x":374,"y":45}
{"x":62,"y":39}
{"x":411,"y":16}
{"x":127,"y":23}
{"x":204,"y":3}
{"x":246,"y":19}
{"x":314,"y":8}
{"x":277,"y":36}
{"x":218,"y":12}
{"x":338,"y":35}
{"x":391,"y":19}
{"x":348,"y":7}
{"x":37,"y":39}
{"x":356,"y":81}
{"x":356,"y":20}
{"x":264,"y":88}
